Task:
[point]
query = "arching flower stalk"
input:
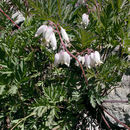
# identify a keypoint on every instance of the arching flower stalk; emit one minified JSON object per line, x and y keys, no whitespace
{"x":83,"y":72}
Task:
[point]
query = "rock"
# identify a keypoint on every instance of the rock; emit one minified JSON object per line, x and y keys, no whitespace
{"x":120,"y":110}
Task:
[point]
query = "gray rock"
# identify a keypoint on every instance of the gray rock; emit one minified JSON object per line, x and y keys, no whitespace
{"x":119,"y":110}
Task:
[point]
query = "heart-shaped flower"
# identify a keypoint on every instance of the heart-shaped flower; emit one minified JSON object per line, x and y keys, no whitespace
{"x":62,"y":58}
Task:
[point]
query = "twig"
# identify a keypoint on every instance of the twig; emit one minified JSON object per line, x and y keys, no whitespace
{"x":116,"y":119}
{"x":82,"y":52}
{"x":115,"y":101}
{"x":106,"y":121}
{"x":9,"y":18}
{"x":23,"y":120}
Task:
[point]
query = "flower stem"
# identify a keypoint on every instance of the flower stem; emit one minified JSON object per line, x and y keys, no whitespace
{"x":105,"y":121}
{"x":70,"y":52}
{"x":115,"y":119}
{"x":9,"y":18}
{"x":22,"y":120}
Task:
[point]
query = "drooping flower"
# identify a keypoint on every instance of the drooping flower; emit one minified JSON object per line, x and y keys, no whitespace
{"x":62,"y":58}
{"x":88,"y":62}
{"x":92,"y":58}
{"x":97,"y":58}
{"x":19,"y":17}
{"x":48,"y":35}
{"x":41,"y":30}
{"x":64,"y":35}
{"x":66,"y":58}
{"x":53,"y":41}
{"x":85,"y":19}
{"x":81,"y":60}
{"x":57,"y":59}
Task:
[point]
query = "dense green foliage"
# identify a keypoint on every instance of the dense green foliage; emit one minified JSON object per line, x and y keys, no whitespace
{"x":42,"y":96}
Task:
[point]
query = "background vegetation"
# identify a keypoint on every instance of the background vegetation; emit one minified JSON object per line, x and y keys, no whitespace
{"x":34,"y":94}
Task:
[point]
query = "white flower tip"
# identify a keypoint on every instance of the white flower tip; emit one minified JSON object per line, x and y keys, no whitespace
{"x":67,"y":64}
{"x":36,"y":35}
{"x":101,"y":62}
{"x":54,"y":48}
{"x":89,"y":67}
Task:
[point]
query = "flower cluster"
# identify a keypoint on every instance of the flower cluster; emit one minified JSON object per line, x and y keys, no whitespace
{"x":49,"y":35}
{"x":91,"y":60}
{"x":62,"y":58}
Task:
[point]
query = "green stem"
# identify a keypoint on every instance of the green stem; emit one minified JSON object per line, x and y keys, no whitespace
{"x":23,"y":120}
